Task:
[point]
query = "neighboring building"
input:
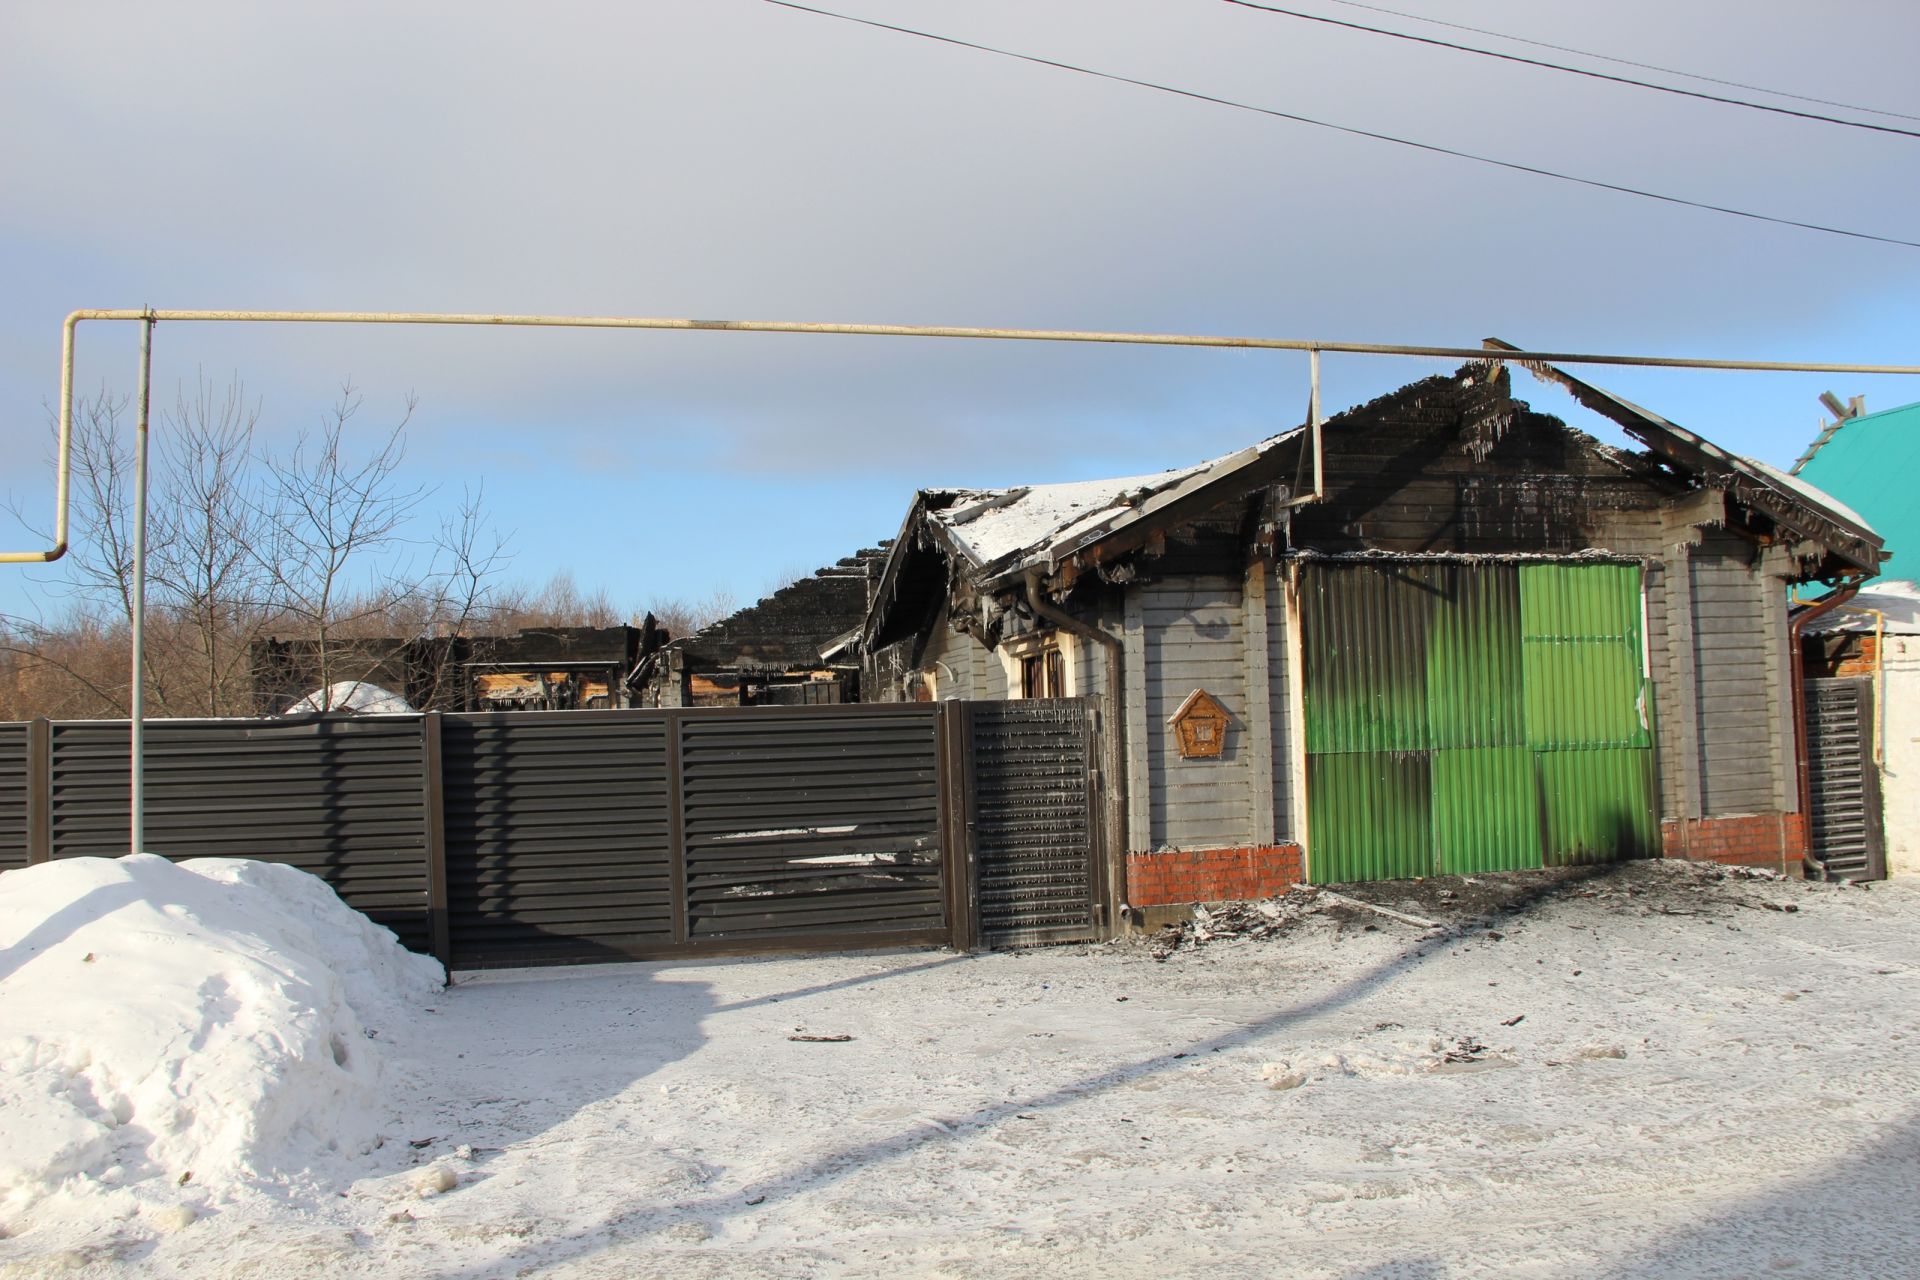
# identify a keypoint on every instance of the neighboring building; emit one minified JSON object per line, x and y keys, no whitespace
{"x":1491,"y":642}
{"x":535,"y":669}
{"x":1862,"y":662}
{"x":1869,"y":461}
{"x":555,"y":668}
{"x":794,"y":647}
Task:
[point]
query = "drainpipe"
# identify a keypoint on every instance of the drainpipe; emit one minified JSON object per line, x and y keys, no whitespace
{"x":1809,"y":865}
{"x":1115,"y":764}
{"x":1879,"y":617}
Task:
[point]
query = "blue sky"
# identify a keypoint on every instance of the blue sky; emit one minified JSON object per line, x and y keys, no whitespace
{"x":729,"y":159}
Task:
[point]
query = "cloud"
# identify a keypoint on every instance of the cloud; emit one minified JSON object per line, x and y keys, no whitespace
{"x":728,"y":159}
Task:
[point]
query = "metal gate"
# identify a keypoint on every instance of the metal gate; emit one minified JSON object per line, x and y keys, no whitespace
{"x":1033,"y":821}
{"x":1474,"y":716}
{"x":641,"y":834}
{"x":1847,"y":837}
{"x":516,"y":838}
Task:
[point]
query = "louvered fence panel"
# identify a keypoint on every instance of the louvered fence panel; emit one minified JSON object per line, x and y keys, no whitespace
{"x":1034,"y":821}
{"x":556,"y":836}
{"x":13,"y":795}
{"x":342,"y":798}
{"x":1847,"y":837}
{"x":813,"y":824}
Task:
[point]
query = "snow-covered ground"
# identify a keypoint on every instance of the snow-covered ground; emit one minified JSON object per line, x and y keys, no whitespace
{"x":1649,"y":1073}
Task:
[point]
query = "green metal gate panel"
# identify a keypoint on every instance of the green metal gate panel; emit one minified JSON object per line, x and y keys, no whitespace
{"x":1367,"y":667}
{"x":1484,"y":813}
{"x":1370,"y":815}
{"x":1584,"y":656}
{"x":1473,"y":650}
{"x":1465,"y":717}
{"x":1597,"y":805}
{"x":1589,"y":711}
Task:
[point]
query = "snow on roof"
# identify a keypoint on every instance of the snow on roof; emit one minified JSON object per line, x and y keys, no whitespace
{"x":1810,"y":493}
{"x":213,"y":1017}
{"x":355,"y":696}
{"x":1898,"y":601}
{"x":991,"y":525}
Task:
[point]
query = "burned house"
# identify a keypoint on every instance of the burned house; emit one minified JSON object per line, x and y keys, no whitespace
{"x":555,"y":668}
{"x":797,"y":646}
{"x":534,"y":669}
{"x":1443,"y":634}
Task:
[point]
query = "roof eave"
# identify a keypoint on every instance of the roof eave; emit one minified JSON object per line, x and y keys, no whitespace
{"x":1848,"y":541}
{"x":1198,"y":490}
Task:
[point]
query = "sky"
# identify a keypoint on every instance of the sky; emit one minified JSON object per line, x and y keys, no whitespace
{"x":733,"y":159}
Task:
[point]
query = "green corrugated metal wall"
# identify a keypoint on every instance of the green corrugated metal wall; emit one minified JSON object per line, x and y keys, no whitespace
{"x":1474,"y":717}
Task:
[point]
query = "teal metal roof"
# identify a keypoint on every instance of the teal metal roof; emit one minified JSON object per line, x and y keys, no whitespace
{"x":1870,"y":463}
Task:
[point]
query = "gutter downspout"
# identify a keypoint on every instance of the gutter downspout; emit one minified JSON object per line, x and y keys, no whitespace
{"x":1810,"y":867}
{"x":1879,"y":617}
{"x":1114,"y":766}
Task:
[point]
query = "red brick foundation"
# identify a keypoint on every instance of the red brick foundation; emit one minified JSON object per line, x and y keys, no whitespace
{"x":1775,"y":841}
{"x":1212,"y":875}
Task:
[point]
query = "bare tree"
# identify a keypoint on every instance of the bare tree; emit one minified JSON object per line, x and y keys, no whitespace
{"x":205,"y":526}
{"x":559,"y":603}
{"x":95,"y":577}
{"x":328,"y":518}
{"x":683,"y":617}
{"x":315,"y":545}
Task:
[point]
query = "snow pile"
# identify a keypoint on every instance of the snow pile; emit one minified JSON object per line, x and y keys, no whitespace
{"x":1897,"y":601}
{"x":170,"y":1033}
{"x":356,"y":696}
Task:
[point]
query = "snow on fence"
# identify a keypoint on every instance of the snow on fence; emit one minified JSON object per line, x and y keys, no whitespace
{"x":553,"y":837}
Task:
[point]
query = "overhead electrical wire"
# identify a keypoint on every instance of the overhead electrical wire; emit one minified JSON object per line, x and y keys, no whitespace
{"x":1625,"y":62}
{"x":1432,"y":148}
{"x":1572,"y":71}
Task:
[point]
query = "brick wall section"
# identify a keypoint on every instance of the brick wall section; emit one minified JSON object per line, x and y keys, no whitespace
{"x":1775,"y":841}
{"x":1859,"y":659}
{"x":1212,"y":875}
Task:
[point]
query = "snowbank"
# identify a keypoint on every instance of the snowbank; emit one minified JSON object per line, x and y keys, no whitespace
{"x":170,"y":1033}
{"x":355,"y":696}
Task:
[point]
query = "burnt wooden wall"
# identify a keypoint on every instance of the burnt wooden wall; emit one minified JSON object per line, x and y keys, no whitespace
{"x":1445,"y":466}
{"x":1452,"y":465}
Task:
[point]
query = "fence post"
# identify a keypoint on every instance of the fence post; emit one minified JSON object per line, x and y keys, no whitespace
{"x":436,"y":801}
{"x":39,"y":791}
{"x":956,"y":820}
{"x":676,"y":829}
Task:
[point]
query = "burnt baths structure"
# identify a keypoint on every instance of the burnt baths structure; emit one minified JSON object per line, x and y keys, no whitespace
{"x":1489,"y":642}
{"x":794,"y":648}
{"x":535,"y":669}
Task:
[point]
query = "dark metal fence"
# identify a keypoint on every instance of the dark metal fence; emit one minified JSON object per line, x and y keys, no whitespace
{"x":1036,"y":826}
{"x":1848,"y":840}
{"x":13,"y":795}
{"x":549,"y":837}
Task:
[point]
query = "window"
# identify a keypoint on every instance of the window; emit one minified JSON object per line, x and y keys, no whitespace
{"x":1043,"y":674}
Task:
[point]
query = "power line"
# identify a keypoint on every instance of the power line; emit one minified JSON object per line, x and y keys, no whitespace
{"x":1625,"y":62}
{"x":1432,"y":148}
{"x":1573,"y":71}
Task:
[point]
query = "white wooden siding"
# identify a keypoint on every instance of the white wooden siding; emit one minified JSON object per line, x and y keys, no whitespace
{"x":1733,"y":653}
{"x":1280,"y":705}
{"x":1195,"y":639}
